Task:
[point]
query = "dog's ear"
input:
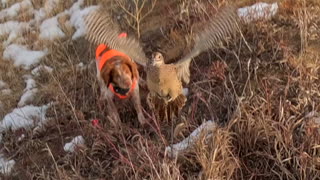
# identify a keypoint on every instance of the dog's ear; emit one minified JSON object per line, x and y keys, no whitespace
{"x":133,"y":67}
{"x":106,"y":73}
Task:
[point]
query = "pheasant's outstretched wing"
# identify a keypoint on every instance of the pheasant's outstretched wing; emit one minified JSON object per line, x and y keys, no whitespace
{"x":222,"y":25}
{"x":101,"y":29}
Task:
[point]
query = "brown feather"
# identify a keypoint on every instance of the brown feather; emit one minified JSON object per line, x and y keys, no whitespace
{"x":224,"y":24}
{"x":101,"y":29}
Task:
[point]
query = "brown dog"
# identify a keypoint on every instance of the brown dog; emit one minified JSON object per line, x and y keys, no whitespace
{"x":117,"y":76}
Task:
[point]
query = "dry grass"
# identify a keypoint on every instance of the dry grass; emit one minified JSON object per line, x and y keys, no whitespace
{"x":261,"y":97}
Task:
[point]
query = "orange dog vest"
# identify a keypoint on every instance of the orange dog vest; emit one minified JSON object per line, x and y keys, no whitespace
{"x":102,"y":59}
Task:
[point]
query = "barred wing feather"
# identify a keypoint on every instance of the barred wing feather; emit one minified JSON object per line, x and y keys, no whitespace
{"x":225,"y":23}
{"x":101,"y":29}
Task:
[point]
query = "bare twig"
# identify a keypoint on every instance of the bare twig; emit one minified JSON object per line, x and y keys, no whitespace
{"x":136,"y":16}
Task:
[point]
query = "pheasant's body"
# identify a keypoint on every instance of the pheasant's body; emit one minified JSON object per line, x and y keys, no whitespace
{"x":165,"y":87}
{"x":162,"y":80}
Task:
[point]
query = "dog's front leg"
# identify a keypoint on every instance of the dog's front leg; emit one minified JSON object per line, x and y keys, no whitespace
{"x":137,"y":105}
{"x":107,"y":95}
{"x":112,"y":109}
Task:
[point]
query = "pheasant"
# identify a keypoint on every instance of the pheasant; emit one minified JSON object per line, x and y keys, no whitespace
{"x":164,"y":81}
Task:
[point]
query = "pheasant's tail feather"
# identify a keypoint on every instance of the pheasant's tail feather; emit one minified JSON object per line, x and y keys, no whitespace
{"x":158,"y":105}
{"x":224,"y":24}
{"x":176,"y":105}
{"x":101,"y":29}
{"x":166,"y":110}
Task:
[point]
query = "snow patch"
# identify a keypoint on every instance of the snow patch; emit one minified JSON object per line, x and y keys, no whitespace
{"x":22,"y":56}
{"x":77,"y":20}
{"x":14,"y":29}
{"x":4,"y":2}
{"x":30,"y":83}
{"x":29,"y":92}
{"x":3,"y":84}
{"x":26,"y":117}
{"x":50,"y":29}
{"x":27,"y":97}
{"x":15,"y":9}
{"x":185,"y":91}
{"x":36,"y":71}
{"x":70,"y":147}
{"x":80,"y":65}
{"x":48,"y":8}
{"x":6,"y":165}
{"x":258,"y":11}
{"x":76,"y":6}
{"x":188,"y":142}
{"x":21,"y":137}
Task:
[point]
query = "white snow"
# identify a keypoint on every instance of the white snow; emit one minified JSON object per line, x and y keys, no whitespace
{"x":185,"y":91}
{"x":36,"y":71}
{"x":80,"y":65}
{"x":30,"y":83}
{"x":15,"y":9}
{"x":29,"y":92}
{"x":21,"y":137}
{"x":4,"y":2}
{"x":6,"y":165}
{"x":27,"y":97}
{"x":26,"y":117}
{"x":188,"y":142}
{"x":258,"y":11}
{"x":2,"y":84}
{"x":14,"y":29}
{"x":70,"y":147}
{"x":50,"y":29}
{"x":76,"y":6}
{"x":22,"y":56}
{"x":12,"y":26}
{"x":48,"y":8}
{"x":77,"y":20}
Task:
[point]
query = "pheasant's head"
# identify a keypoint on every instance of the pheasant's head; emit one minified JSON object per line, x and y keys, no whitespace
{"x":157,"y":59}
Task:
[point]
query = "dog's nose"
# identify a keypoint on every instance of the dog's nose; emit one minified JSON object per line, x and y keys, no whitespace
{"x":128,"y":83}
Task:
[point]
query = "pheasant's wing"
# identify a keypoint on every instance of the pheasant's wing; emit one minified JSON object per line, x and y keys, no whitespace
{"x":101,"y":29}
{"x":225,"y":23}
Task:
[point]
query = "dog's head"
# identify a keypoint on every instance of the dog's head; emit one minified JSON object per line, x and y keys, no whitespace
{"x":120,"y":72}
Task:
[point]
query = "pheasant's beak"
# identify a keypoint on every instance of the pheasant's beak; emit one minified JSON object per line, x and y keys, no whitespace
{"x":157,"y":61}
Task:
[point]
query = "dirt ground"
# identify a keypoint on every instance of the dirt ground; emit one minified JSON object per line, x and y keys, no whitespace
{"x":262,"y":88}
